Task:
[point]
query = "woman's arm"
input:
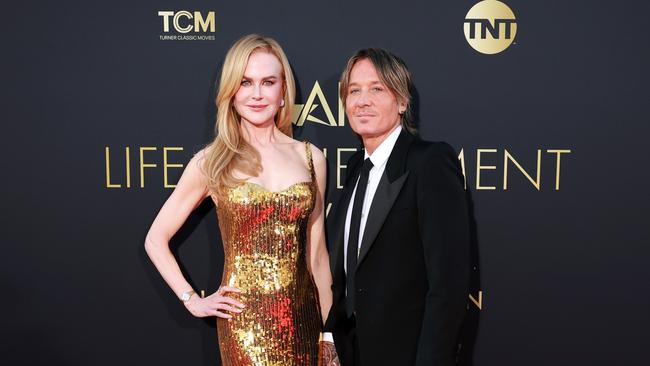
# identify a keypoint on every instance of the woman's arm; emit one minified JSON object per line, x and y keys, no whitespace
{"x":316,"y":246}
{"x":190,"y":191}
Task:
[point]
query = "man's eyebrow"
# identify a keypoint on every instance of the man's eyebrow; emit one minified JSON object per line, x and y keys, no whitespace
{"x":372,"y":82}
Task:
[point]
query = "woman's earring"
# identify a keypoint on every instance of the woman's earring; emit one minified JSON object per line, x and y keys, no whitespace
{"x":282,"y":103}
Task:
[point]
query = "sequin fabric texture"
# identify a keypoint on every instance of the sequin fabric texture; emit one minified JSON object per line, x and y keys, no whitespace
{"x":264,"y":238}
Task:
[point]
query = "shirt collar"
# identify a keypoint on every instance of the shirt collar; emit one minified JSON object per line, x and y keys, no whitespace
{"x":381,"y":154}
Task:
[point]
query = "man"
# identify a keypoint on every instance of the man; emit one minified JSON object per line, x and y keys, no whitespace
{"x":400,"y":234}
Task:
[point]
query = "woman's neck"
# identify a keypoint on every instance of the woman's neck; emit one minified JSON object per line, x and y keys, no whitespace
{"x":259,"y":135}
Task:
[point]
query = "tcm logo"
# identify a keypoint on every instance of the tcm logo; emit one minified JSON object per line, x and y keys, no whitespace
{"x":185,"y":22}
{"x":490,"y":27}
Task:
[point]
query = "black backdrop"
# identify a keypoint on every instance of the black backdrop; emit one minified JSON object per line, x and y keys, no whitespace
{"x":563,"y":272}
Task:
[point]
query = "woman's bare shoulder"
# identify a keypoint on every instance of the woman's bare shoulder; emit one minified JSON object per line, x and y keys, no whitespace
{"x":317,"y":153}
{"x":196,"y":168}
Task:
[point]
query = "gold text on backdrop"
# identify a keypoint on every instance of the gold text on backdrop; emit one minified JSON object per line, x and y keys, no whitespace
{"x":149,"y":160}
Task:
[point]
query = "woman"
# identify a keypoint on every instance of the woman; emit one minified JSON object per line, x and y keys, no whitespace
{"x":269,"y":191}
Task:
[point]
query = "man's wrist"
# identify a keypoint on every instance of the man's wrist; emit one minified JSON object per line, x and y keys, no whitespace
{"x":328,"y":337}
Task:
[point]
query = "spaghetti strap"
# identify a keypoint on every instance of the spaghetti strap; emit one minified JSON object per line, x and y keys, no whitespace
{"x":310,"y":161}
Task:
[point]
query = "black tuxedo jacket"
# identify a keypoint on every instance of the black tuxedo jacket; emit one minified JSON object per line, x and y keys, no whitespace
{"x":412,"y":276}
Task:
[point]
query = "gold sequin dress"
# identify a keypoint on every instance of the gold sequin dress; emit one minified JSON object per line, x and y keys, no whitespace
{"x":264,"y":235}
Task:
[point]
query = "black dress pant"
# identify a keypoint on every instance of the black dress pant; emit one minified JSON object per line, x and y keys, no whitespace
{"x":353,"y":359}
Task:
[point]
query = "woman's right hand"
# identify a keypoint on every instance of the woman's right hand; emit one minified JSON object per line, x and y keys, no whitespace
{"x":216,"y":304}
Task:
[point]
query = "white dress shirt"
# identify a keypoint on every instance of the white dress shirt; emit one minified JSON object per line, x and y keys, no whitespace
{"x":379,"y":158}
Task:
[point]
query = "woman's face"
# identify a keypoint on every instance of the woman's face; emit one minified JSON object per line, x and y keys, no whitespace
{"x":261,"y":90}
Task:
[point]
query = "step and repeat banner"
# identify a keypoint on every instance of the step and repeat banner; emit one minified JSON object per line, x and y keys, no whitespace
{"x":545,"y":102}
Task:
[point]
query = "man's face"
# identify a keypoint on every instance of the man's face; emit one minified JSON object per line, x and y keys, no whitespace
{"x":373,"y":110}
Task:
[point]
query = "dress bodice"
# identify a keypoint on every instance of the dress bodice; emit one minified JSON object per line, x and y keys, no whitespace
{"x":264,"y":235}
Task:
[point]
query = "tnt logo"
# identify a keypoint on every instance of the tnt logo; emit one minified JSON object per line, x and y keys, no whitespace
{"x":490,"y":26}
{"x":184,"y":22}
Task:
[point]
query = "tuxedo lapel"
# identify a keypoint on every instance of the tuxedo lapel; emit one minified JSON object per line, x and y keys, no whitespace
{"x":390,"y":185}
{"x":382,"y":202}
{"x":336,"y":256}
{"x":340,"y":213}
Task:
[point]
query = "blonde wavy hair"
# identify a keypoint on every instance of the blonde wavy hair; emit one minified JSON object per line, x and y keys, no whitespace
{"x":229,"y":151}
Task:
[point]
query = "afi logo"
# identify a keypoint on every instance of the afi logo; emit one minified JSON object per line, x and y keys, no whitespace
{"x":185,"y":22}
{"x":495,"y":24}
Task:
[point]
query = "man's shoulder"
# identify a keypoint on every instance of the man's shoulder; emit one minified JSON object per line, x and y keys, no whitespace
{"x":435,"y":161}
{"x":431,"y":150}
